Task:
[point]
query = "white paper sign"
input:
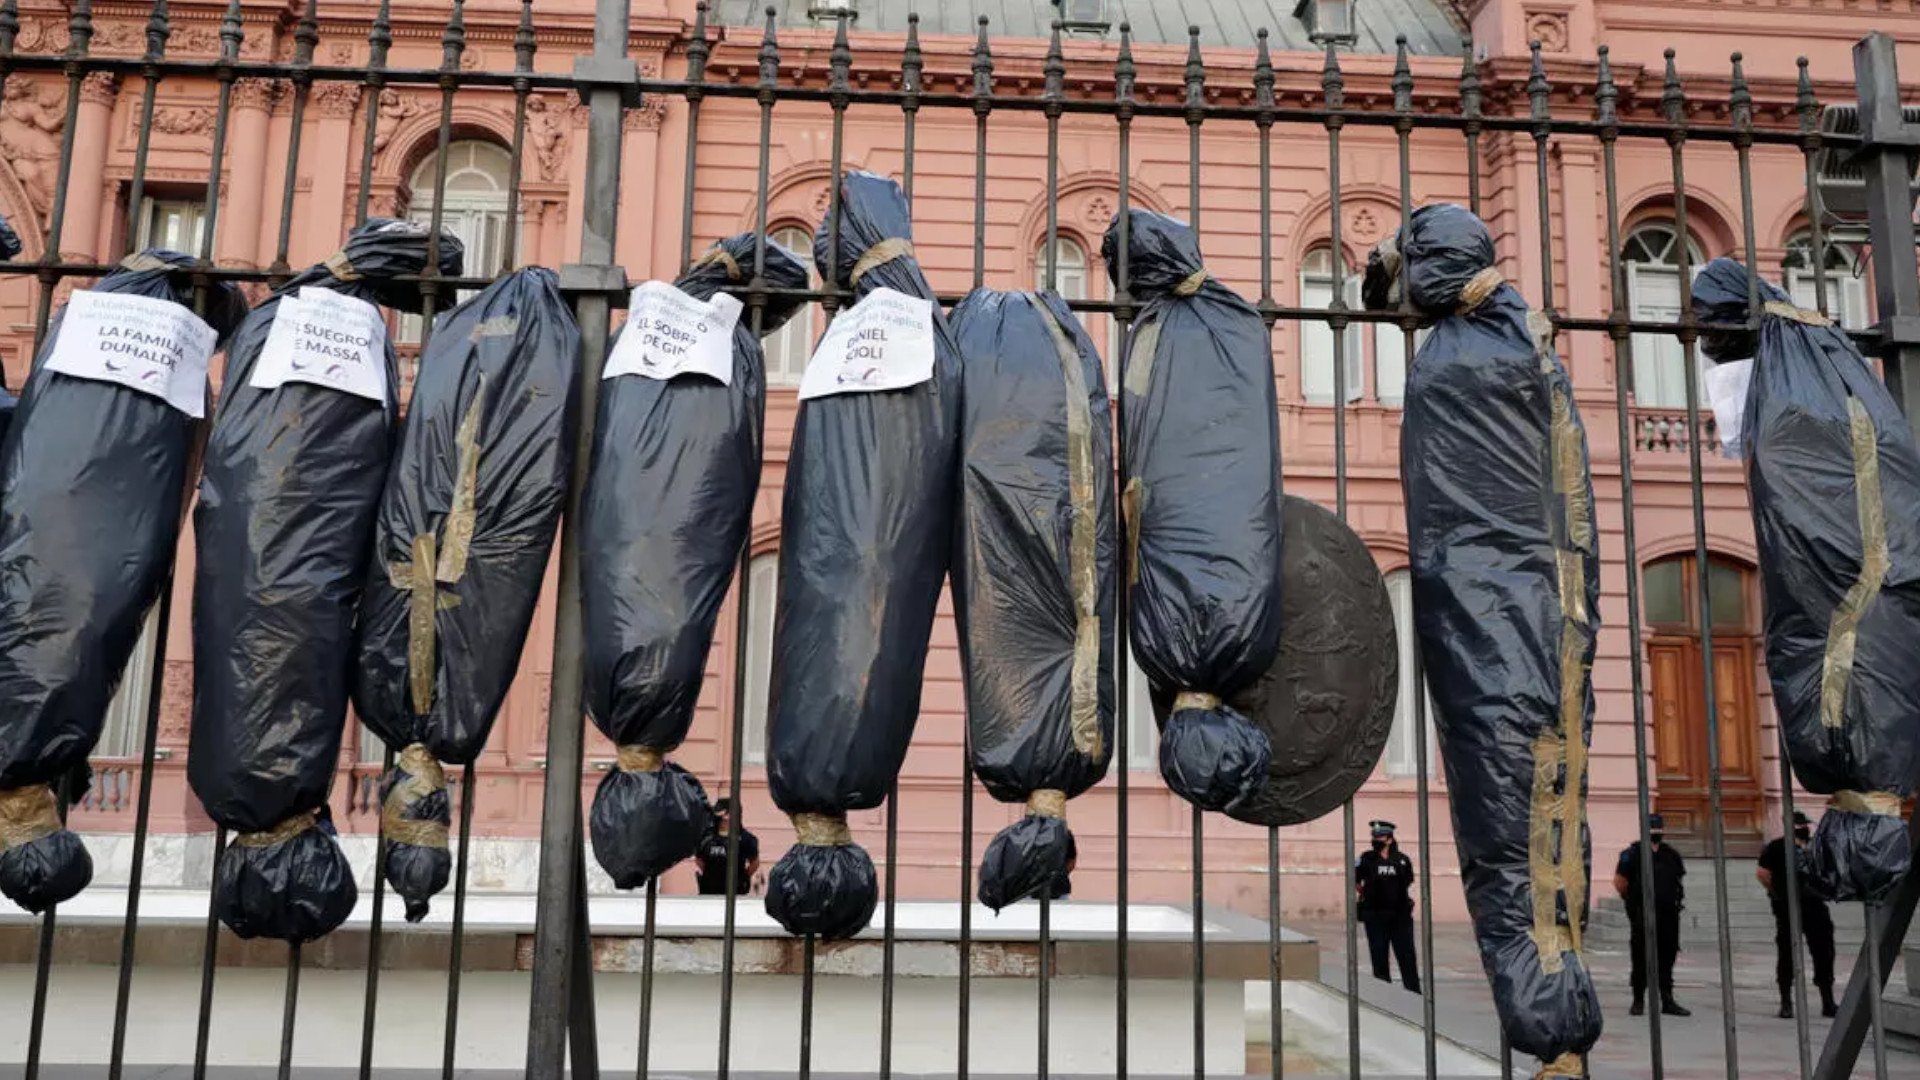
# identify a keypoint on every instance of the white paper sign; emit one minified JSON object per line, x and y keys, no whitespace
{"x":325,"y":339}
{"x":669,"y":333}
{"x":1727,"y":391}
{"x":154,"y":346}
{"x":885,"y":342}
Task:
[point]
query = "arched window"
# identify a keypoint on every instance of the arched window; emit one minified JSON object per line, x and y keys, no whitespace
{"x":1402,"y":756}
{"x":1652,"y":255}
{"x":1316,"y":338}
{"x":1843,"y":271}
{"x":787,"y":350}
{"x":763,"y":587}
{"x":474,"y":209}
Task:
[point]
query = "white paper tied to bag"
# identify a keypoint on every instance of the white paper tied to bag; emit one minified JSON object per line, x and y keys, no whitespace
{"x":142,"y":343}
{"x":323,"y":338}
{"x":884,"y":342}
{"x":669,"y":333}
{"x":1726,"y":385}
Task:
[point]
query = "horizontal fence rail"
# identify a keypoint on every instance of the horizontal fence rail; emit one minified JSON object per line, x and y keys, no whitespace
{"x":1108,"y":91}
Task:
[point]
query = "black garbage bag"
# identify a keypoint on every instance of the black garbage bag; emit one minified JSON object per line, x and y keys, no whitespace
{"x":460,"y":547}
{"x":1203,"y":507}
{"x":90,"y":508}
{"x":1506,"y":589}
{"x":1033,"y":585}
{"x":868,"y":525}
{"x":676,"y":465}
{"x":9,"y":248}
{"x":289,"y":488}
{"x":1835,"y":482}
{"x":9,"y":241}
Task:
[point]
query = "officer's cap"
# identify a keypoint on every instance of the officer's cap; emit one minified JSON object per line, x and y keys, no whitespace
{"x":1655,"y":822}
{"x":1381,"y":828}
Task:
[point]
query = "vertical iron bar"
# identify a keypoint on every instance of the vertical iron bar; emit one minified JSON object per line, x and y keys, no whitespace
{"x":1263,"y":81}
{"x":379,"y":41}
{"x":1123,"y":77}
{"x":1539,"y":95}
{"x":79,"y":41}
{"x":209,"y":956}
{"x":1673,"y":100}
{"x":697,"y":51}
{"x":457,"y":946}
{"x":231,"y":35}
{"x":1607,"y":98}
{"x":289,"y":1011}
{"x":1046,"y":979}
{"x":306,"y":36}
{"x":982,"y":106}
{"x":560,"y":970}
{"x":1470,"y":109}
{"x":769,"y":61}
{"x":525,"y":42}
{"x":453,"y":44}
{"x":1409,"y":322}
{"x":1333,"y":89}
{"x":1741,"y":100}
{"x":1054,"y":97}
{"x":43,"y":962}
{"x":372,"y":998}
{"x":806,"y":1008}
{"x":583,"y":1038}
{"x":1808,"y":107}
{"x":646,"y":979}
{"x":1196,"y":74}
{"x":1875,"y":1008}
{"x":159,"y":29}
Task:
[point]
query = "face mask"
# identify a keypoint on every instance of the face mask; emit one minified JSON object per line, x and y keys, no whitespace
{"x":1802,"y":834}
{"x":1658,"y":837}
{"x":1379,"y":842}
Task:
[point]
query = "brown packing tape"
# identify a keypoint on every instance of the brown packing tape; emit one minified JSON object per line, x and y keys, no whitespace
{"x":1140,"y":349}
{"x":1191,"y":283}
{"x":1082,"y":566}
{"x":1132,"y":502}
{"x":638,"y":759}
{"x":1478,"y":288}
{"x":424,"y":777}
{"x":341,"y":267}
{"x":1843,"y":631}
{"x":1567,"y":1066}
{"x":821,"y":830}
{"x":1195,"y":699}
{"x":140,"y":260}
{"x":1543,"y":870}
{"x":1570,"y":481}
{"x":719,"y":257}
{"x":1877,"y":803}
{"x":280,"y":833}
{"x":880,"y":254}
{"x":1047,"y":802}
{"x":27,"y":814}
{"x":1797,"y":314}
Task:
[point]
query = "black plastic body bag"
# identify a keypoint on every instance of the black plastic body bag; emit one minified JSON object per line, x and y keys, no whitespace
{"x":1033,"y":585}
{"x":676,"y":465}
{"x":1505,"y":590}
{"x":9,"y":249}
{"x":867,"y":522}
{"x":460,"y":548}
{"x":1202,"y":449}
{"x":90,"y":510}
{"x":1835,"y":482}
{"x":289,"y":488}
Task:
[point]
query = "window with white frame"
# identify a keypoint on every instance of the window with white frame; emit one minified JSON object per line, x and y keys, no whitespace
{"x":372,"y":750}
{"x":788,"y":348}
{"x":1402,"y":756}
{"x":1844,"y":272}
{"x":123,"y":732}
{"x":763,"y":586}
{"x":172,"y":223}
{"x":474,"y":209}
{"x":1652,"y":257}
{"x":1316,"y":338}
{"x":1143,"y":732}
{"x":1074,"y":280}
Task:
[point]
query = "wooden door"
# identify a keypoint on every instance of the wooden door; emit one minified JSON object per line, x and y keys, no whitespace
{"x":1675,"y":652}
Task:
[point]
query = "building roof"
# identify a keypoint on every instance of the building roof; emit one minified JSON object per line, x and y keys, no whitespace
{"x":1430,"y":29}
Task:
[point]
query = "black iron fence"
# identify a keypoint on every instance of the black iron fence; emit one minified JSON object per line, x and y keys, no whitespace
{"x":610,"y":84}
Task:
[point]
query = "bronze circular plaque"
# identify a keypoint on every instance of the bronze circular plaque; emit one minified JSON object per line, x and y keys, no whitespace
{"x":1327,"y":702}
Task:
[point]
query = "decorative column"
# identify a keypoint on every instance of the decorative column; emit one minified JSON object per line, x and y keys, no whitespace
{"x":247,"y":179}
{"x":86,"y":187}
{"x":640,"y":157}
{"x":325,"y":214}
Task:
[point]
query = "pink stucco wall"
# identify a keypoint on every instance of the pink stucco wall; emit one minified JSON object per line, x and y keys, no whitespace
{"x":511,"y":773}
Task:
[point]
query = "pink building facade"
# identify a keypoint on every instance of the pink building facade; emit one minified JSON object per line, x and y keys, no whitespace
{"x":98,"y":224}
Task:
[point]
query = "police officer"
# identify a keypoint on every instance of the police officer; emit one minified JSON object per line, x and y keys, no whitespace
{"x":1669,"y":898}
{"x":1816,"y":924}
{"x":1383,"y":878}
{"x":711,"y":870}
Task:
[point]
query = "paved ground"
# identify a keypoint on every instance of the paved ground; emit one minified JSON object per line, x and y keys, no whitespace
{"x":1692,"y":1048}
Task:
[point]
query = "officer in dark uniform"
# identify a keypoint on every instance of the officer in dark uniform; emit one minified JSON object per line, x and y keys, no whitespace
{"x":1669,"y":898}
{"x":1383,"y":878}
{"x":711,"y":870}
{"x":1816,"y":924}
